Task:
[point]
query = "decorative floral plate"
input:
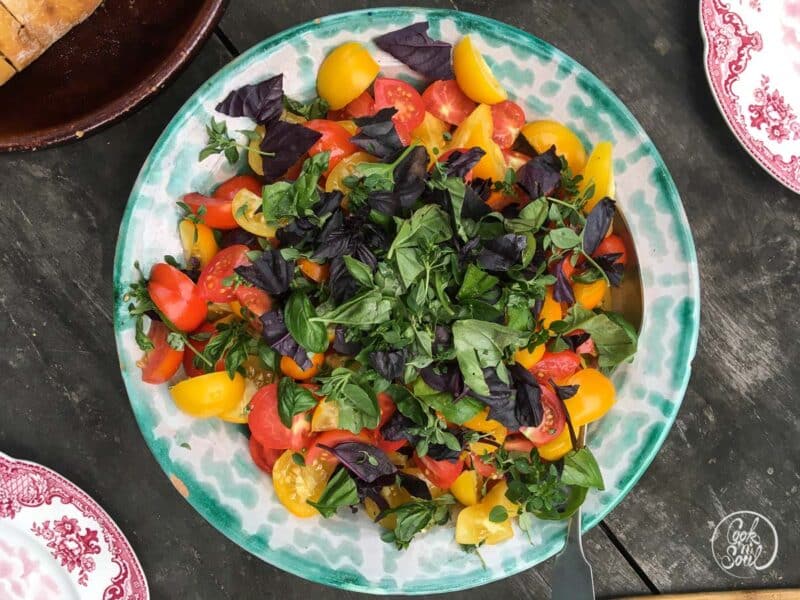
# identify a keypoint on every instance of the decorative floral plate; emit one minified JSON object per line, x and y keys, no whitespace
{"x":56,"y":542}
{"x":752,"y":59}
{"x":208,"y":461}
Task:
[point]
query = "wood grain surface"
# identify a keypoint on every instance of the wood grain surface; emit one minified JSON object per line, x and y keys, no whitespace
{"x":733,"y":447}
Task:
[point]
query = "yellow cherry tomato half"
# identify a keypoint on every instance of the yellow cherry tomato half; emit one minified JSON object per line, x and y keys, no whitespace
{"x":557,"y":448}
{"x":474,"y":76}
{"x":466,"y":487}
{"x":474,"y":527}
{"x":495,"y":431}
{"x":208,"y":395}
{"x":198,"y":242}
{"x":528,"y":358}
{"x":345,"y":74}
{"x":325,"y":417}
{"x":430,"y":133}
{"x":600,"y":172}
{"x":593,"y":399}
{"x":476,"y":130}
{"x":244,"y":206}
{"x":295,"y":484}
{"x":346,"y":166}
{"x":590,"y":295}
{"x":544,"y":134}
{"x":254,"y":159}
{"x":256,"y":377}
{"x":551,"y":309}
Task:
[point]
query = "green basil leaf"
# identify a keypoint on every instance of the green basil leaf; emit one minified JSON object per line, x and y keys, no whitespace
{"x":142,"y":340}
{"x":293,"y":400}
{"x":565,"y":238}
{"x":480,"y":344}
{"x":581,"y":468}
{"x":368,"y":308}
{"x":299,"y":315}
{"x":283,"y":200}
{"x":476,"y":283}
{"x":340,"y":491}
{"x":455,"y":412}
{"x":498,"y":514}
{"x":316,"y":109}
{"x":614,"y":338}
{"x":360,"y":272}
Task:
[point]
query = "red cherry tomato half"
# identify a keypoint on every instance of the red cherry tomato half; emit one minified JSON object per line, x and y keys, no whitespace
{"x":228,"y":189}
{"x":162,"y":362}
{"x":441,"y":473}
{"x":388,"y":445}
{"x":220,"y":268}
{"x":553,"y":419}
{"x":256,"y":300}
{"x":264,"y":458}
{"x":331,"y":439}
{"x":407,"y":101}
{"x":218,"y":212}
{"x":507,"y":118}
{"x":445,"y":155}
{"x":515,"y":160}
{"x":387,"y":407}
{"x":188,"y":354}
{"x":613,"y":244}
{"x":484,"y":469}
{"x":266,"y":426}
{"x":556,"y":366}
{"x":363,"y":106}
{"x":445,"y":101}
{"x":335,"y":139}
{"x":517,"y":443}
{"x":177,"y":297}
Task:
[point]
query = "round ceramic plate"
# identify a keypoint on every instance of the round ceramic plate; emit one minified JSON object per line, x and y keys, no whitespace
{"x":208,"y":460}
{"x":752,"y":60}
{"x":56,"y":542}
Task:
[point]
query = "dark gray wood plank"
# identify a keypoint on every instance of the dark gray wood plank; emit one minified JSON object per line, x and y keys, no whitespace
{"x":734,"y":443}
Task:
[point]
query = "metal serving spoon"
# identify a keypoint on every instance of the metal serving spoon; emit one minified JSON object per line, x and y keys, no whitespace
{"x":572,"y":574}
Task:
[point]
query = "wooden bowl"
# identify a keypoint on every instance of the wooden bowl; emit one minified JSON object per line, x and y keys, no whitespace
{"x":102,"y":69}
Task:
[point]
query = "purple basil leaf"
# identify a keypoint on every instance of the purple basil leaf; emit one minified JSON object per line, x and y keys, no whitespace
{"x":562,"y":290}
{"x":500,"y":254}
{"x":482,"y":187}
{"x":298,"y":233}
{"x":536,"y":309}
{"x":389,"y":364}
{"x":342,"y":284}
{"x":564,"y":392}
{"x":444,"y":379}
{"x":459,"y":163}
{"x":528,"y":405}
{"x":613,"y":269}
{"x":541,"y":175}
{"x":327,"y":203}
{"x":236,"y":236}
{"x":342,"y":346}
{"x":366,"y":462}
{"x":597,"y":223}
{"x":276,"y":334}
{"x":287,"y":142}
{"x":409,"y":184}
{"x":466,"y":252}
{"x":262,"y":102}
{"x":397,"y":428}
{"x":474,"y":206}
{"x":271,"y":272}
{"x":575,"y":340}
{"x":414,"y":486}
{"x":273,"y":326}
{"x":414,"y":47}
{"x":378,"y":135}
{"x":442,"y":452}
{"x":501,"y":399}
{"x":442,"y":339}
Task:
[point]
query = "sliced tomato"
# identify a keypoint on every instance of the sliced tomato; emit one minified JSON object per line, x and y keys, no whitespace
{"x":507,"y":118}
{"x":515,"y":160}
{"x":389,"y":445}
{"x":556,"y":366}
{"x":335,"y":139}
{"x":441,"y":473}
{"x":220,"y":268}
{"x":445,"y":100}
{"x":217,"y":213}
{"x":162,"y":362}
{"x":266,"y":426}
{"x":256,"y":300}
{"x":177,"y":297}
{"x":518,"y":443}
{"x":227,"y":190}
{"x":445,"y":155}
{"x":188,"y":355}
{"x":402,"y":96}
{"x":363,"y":106}
{"x":387,"y":407}
{"x":264,"y":458}
{"x":484,"y":469}
{"x":331,"y":439}
{"x":613,"y":244}
{"x":553,"y":419}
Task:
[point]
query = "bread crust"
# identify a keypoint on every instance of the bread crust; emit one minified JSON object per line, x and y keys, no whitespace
{"x":49,"y":20}
{"x":6,"y":70}
{"x":16,"y":43}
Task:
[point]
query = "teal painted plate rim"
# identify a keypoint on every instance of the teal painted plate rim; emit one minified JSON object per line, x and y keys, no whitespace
{"x":220,"y":517}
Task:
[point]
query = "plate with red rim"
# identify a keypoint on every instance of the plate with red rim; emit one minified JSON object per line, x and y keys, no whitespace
{"x":57,"y":542}
{"x":752,"y":60}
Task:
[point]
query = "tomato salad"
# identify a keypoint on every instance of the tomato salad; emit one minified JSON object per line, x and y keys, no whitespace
{"x":403,"y":299}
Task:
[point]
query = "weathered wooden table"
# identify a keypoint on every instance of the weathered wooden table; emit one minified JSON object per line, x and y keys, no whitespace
{"x":734,"y":445}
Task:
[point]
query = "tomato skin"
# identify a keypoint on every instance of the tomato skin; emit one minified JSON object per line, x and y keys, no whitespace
{"x":484,"y":469}
{"x":543,"y":134}
{"x":402,"y":96}
{"x":331,"y":439}
{"x":264,"y":458}
{"x":208,"y":395}
{"x":594,"y":398}
{"x":188,"y":355}
{"x":177,"y":297}
{"x":387,"y":408}
{"x":227,"y":190}
{"x":507,"y":118}
{"x":553,"y":421}
{"x":445,"y":101}
{"x":557,"y":448}
{"x":162,"y":362}
{"x":363,"y":106}
{"x":474,"y":76}
{"x":295,"y":484}
{"x":313,"y":270}
{"x":256,"y":300}
{"x":218,"y":212}
{"x":345,"y":73}
{"x":335,"y":139}
{"x":613,"y":244}
{"x":293,"y":370}
{"x":267,"y":428}
{"x":518,"y":443}
{"x":441,"y":473}
{"x":556,"y":366}
{"x":219,"y":268}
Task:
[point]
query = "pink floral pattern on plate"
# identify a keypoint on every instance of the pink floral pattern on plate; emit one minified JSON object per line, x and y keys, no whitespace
{"x":40,"y":509}
{"x":752,"y":60}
